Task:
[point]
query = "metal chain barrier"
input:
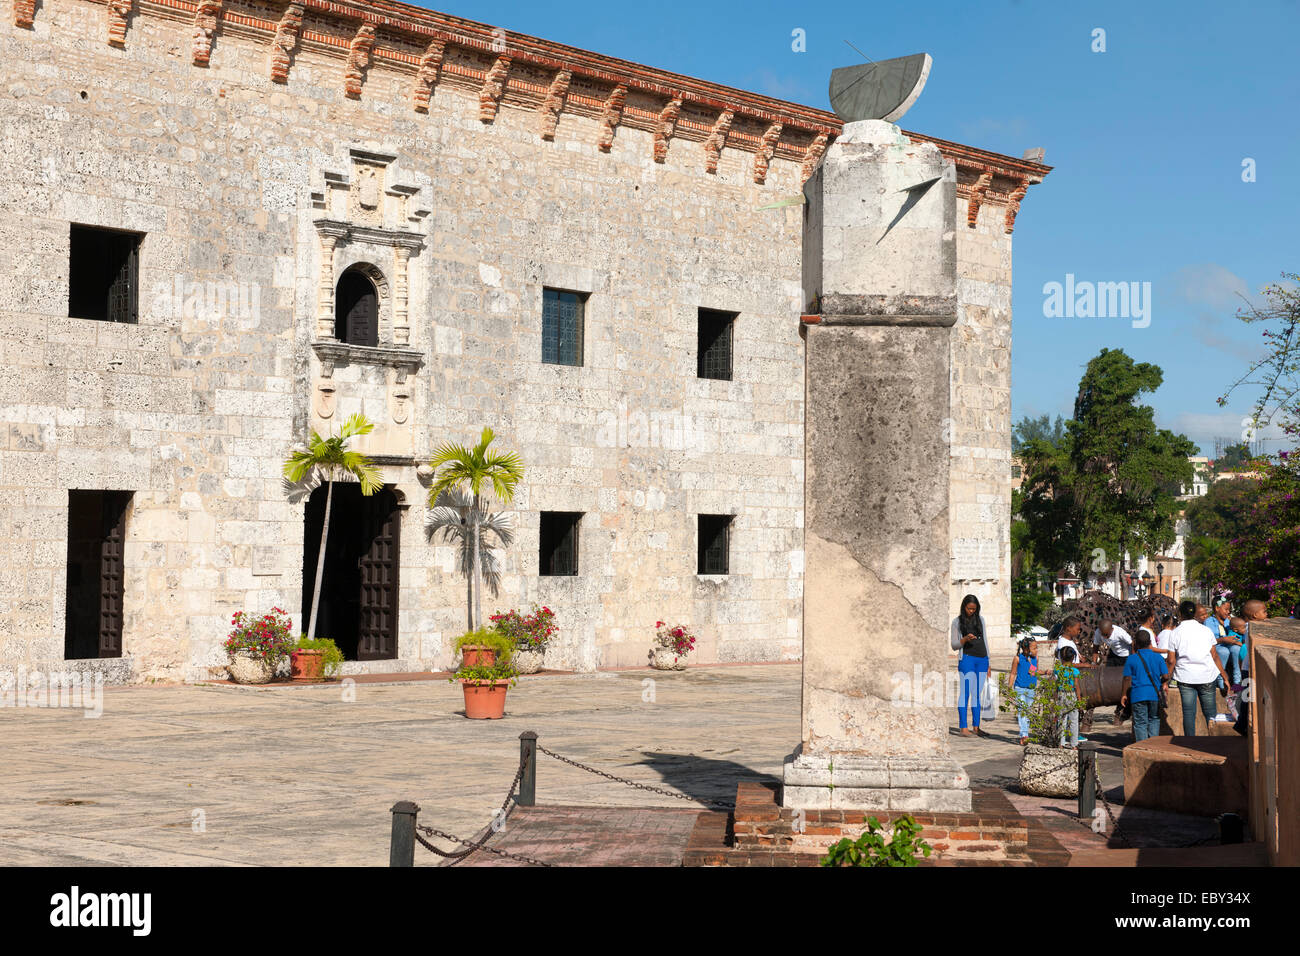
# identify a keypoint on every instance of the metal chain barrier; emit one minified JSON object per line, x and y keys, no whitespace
{"x":716,"y":804}
{"x":433,"y":831}
{"x":488,"y":831}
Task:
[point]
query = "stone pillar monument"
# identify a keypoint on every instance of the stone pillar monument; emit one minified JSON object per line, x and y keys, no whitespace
{"x":880,"y":269}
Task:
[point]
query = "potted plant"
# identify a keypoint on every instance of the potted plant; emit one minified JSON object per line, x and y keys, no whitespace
{"x":1047,"y":767}
{"x":484,"y":647}
{"x":316,"y":660}
{"x":529,"y":634}
{"x":257,"y":645}
{"x":670,"y":647}
{"x":485,"y":689}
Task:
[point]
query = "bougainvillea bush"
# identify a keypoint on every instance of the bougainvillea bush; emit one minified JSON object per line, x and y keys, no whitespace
{"x":1264,"y":560}
{"x":530,"y":632}
{"x":268,"y":638}
{"x":675,"y":638}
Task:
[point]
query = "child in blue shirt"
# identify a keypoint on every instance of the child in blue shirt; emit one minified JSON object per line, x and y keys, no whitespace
{"x":1145,"y":675}
{"x":1026,"y":678}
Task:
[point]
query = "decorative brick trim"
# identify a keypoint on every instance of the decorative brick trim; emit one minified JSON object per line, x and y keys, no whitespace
{"x":494,"y":84}
{"x":717,"y":139}
{"x":1013,"y":204}
{"x":813,"y":156}
{"x":414,"y":25}
{"x":430,"y":65}
{"x":206,"y":17}
{"x":24,"y":13}
{"x":358,"y":60}
{"x":976,"y":197}
{"x":118,"y":12}
{"x":611,"y":117}
{"x":665,"y":127}
{"x":285,"y":39}
{"x":766,"y":149}
{"x":554,"y":104}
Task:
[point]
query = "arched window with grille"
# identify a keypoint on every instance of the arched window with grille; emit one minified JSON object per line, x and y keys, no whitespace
{"x":356,"y":309}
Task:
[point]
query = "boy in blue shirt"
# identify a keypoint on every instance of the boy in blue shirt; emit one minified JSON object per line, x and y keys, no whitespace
{"x":1145,"y":675}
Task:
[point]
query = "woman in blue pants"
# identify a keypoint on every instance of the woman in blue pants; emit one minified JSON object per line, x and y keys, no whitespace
{"x":969,"y":637}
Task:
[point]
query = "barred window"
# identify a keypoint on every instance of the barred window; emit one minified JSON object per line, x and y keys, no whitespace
{"x":714,"y":543}
{"x":103,"y":274}
{"x":562,"y":320}
{"x":559,"y":542}
{"x":715,"y":344}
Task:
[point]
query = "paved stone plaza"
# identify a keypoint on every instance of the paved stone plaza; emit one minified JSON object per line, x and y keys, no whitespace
{"x":298,"y":776}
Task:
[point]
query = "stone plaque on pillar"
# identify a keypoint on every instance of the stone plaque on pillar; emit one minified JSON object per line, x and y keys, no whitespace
{"x":880,"y":278}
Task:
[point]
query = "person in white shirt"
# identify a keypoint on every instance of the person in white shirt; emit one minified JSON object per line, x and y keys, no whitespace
{"x":1118,"y":640}
{"x":1165,"y":624}
{"x":1195,"y":665}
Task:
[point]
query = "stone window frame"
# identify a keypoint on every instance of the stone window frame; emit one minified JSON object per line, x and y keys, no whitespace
{"x":728,"y":528}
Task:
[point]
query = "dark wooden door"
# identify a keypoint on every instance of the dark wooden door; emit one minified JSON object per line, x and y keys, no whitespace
{"x":111,"y":573}
{"x":357,"y":310}
{"x":380,"y":564}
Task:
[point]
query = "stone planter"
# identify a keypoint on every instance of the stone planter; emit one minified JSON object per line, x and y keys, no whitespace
{"x":1049,"y":771}
{"x":528,"y":661}
{"x":666,"y":659}
{"x":246,"y":669}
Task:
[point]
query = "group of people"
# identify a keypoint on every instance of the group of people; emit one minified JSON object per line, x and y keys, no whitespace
{"x":1205,"y":650}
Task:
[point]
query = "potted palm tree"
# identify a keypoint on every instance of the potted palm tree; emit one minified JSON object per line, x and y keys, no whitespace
{"x":330,"y":460}
{"x":468,"y":473}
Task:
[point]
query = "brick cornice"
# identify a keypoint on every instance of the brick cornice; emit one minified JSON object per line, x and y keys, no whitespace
{"x":802,"y":127}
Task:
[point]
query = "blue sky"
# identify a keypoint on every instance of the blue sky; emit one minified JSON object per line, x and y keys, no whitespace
{"x":1147,"y":140}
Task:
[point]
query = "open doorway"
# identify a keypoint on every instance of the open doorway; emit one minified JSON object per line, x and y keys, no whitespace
{"x":358,"y":602}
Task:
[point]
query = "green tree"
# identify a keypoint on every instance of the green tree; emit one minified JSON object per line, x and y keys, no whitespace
{"x":470,"y":470}
{"x":1111,"y":484}
{"x":1032,"y":429}
{"x":330,"y":459}
{"x":1028,"y":602}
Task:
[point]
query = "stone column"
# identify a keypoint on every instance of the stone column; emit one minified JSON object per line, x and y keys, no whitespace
{"x":325,"y":291}
{"x":401,"y":317}
{"x":880,"y":261}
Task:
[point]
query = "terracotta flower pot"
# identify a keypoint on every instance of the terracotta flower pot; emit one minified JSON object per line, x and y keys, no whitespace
{"x":307,"y":665}
{"x":478,"y":655}
{"x":485,"y":699}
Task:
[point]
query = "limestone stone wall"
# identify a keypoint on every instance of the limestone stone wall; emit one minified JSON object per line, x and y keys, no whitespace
{"x":980,"y":499}
{"x":217,"y":167}
{"x":226,"y":172}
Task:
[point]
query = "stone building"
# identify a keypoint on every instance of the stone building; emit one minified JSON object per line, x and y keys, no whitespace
{"x":226,"y":224}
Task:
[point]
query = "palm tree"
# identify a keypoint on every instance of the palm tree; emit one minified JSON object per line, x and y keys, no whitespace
{"x":470,"y":468}
{"x":451,"y":520}
{"x":330,"y":459}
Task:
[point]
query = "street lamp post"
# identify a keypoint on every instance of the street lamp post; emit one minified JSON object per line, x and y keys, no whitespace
{"x":1146,"y":582}
{"x":1160,"y":577}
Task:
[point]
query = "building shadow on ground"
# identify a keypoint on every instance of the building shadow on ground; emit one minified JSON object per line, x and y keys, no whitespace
{"x":705,"y":779}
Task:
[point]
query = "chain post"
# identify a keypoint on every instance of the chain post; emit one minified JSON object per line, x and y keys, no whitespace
{"x":1087,"y":779}
{"x":401,"y":850}
{"x":528,"y":760}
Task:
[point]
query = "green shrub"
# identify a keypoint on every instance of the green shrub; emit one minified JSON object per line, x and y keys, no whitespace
{"x":501,"y":670}
{"x":870,"y":849}
{"x":503,"y":644}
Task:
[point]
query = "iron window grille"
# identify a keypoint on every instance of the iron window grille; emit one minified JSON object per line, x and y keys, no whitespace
{"x":562,"y":322}
{"x":714,"y":544}
{"x":714,"y":344}
{"x":103,"y":274}
{"x":559,"y":543}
